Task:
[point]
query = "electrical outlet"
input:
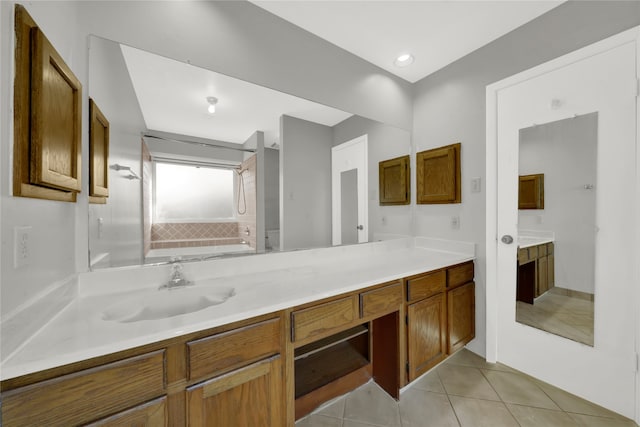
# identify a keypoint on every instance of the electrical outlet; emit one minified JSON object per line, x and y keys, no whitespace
{"x":455,"y":222}
{"x":21,"y":246}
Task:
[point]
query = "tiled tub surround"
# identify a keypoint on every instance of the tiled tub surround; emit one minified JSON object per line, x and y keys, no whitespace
{"x":267,"y":283}
{"x":187,"y":234}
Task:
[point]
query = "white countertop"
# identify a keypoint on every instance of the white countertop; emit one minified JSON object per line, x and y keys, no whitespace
{"x":78,"y":331}
{"x":526,"y":242}
{"x":528,"y":238}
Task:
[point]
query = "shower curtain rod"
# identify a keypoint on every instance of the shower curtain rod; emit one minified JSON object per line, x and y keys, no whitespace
{"x":195,"y":163}
{"x":201,"y":144}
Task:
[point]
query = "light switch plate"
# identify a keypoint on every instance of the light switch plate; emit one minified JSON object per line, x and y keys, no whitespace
{"x":476,"y":185}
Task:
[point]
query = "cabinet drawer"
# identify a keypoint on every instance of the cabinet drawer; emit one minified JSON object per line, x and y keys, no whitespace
{"x":459,"y":275}
{"x":152,"y":413}
{"x":323,"y":319}
{"x":381,"y":301}
{"x":232,"y":349}
{"x":523,"y":256}
{"x":533,"y":252}
{"x":87,"y":395}
{"x":550,"y":248}
{"x":425,"y":285}
{"x":542,"y":250}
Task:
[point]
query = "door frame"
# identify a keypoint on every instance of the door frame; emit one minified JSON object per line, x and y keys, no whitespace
{"x":491,"y":236}
{"x":363,"y":190}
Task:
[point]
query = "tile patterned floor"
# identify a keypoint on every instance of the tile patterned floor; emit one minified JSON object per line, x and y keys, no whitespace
{"x":562,"y":315}
{"x":465,"y":391}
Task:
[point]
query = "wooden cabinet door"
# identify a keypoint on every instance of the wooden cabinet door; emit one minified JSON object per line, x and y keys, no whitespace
{"x":56,"y":102}
{"x":98,"y":152}
{"x":426,"y":334}
{"x":438,"y":175}
{"x":543,"y":280}
{"x":551,"y":266}
{"x":461,"y":316}
{"x":394,"y":181}
{"x":153,"y":414}
{"x":531,"y":191}
{"x":250,"y":396}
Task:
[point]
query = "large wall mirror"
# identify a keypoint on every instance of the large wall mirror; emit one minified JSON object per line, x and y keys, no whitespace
{"x":254,"y":176}
{"x":556,"y":239}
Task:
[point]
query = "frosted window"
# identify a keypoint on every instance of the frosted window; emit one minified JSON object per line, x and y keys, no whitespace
{"x":192,"y":194}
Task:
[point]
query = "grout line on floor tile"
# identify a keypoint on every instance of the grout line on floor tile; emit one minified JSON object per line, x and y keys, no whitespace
{"x":448,"y":398}
{"x":492,"y":387}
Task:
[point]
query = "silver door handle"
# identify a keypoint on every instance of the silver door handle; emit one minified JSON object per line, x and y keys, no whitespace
{"x":507,"y":239}
{"x":360,"y":227}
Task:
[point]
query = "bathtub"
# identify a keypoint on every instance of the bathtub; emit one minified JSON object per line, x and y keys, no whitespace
{"x":161,"y":255}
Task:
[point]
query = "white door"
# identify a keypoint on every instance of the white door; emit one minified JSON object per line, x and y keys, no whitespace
{"x":346,"y":158}
{"x":600,"y":78}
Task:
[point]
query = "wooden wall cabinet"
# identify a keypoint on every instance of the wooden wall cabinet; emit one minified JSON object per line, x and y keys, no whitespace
{"x":47,"y":118}
{"x":98,"y":155}
{"x":395,"y":181}
{"x":531,"y":191}
{"x":438,"y":175}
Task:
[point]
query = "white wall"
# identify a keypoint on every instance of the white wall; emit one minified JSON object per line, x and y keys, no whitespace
{"x":272,"y":189}
{"x":111,"y":89}
{"x":565,"y":151}
{"x":305,"y":184}
{"x":385,"y":142}
{"x":53,"y":238}
{"x":449,"y":106}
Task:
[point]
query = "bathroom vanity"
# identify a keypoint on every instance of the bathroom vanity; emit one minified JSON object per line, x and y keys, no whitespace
{"x":389,"y":311}
{"x":536,"y":268}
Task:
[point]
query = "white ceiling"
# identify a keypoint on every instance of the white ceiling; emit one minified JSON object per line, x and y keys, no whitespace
{"x":436,"y":33}
{"x":180,"y":106}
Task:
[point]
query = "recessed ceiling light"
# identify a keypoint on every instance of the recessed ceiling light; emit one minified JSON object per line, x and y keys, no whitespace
{"x":212,"y":100}
{"x":404,"y":60}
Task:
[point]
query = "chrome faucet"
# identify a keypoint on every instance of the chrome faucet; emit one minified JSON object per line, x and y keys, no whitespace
{"x":176,"y":279}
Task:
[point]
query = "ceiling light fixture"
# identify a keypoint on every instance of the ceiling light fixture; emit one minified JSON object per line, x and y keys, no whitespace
{"x":212,"y":100}
{"x":404,"y":60}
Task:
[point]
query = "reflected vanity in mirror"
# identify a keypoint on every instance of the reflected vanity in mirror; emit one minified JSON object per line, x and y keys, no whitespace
{"x":251,"y":176}
{"x":556,"y":241}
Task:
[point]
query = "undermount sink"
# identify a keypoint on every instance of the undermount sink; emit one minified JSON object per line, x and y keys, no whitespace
{"x":161,"y":304}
